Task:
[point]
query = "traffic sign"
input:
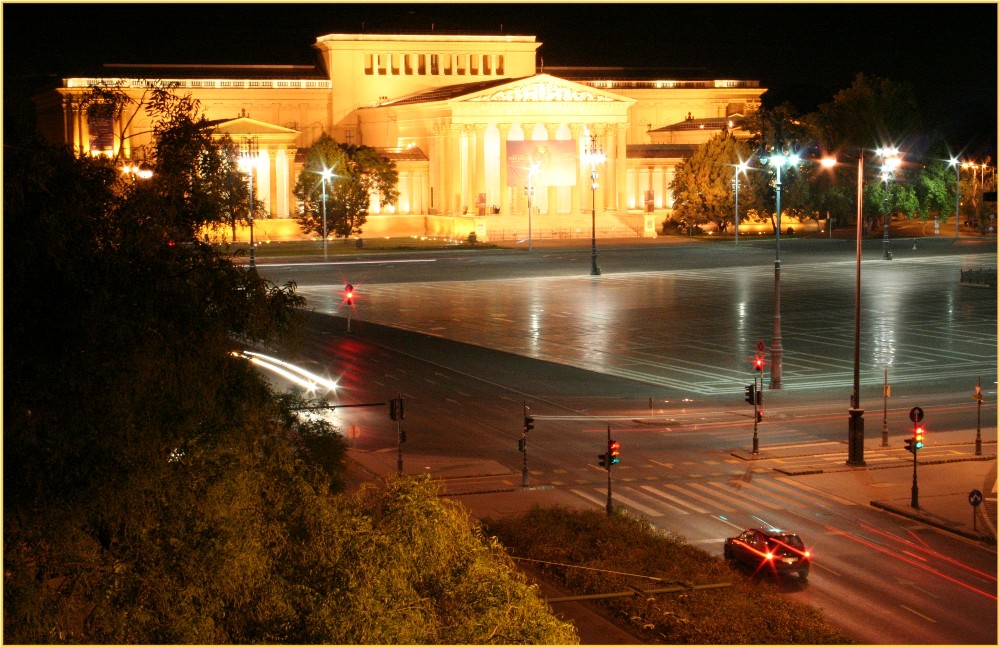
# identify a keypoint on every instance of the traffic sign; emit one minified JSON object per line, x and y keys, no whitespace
{"x":975,"y":498}
{"x":916,"y":414}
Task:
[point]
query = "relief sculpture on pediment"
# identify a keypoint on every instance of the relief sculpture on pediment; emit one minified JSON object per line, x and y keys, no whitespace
{"x":542,"y":91}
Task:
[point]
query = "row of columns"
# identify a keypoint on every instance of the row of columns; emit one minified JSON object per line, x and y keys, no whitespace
{"x":459,"y":171}
{"x":273,"y":171}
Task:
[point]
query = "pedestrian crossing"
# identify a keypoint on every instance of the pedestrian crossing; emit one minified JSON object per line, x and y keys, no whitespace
{"x":712,"y":496}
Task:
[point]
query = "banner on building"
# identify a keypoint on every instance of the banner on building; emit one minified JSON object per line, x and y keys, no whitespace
{"x":549,"y":162}
{"x":101,"y":126}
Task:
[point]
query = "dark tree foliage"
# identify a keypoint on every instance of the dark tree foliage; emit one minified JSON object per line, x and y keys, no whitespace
{"x":355,"y":173}
{"x":156,"y":490}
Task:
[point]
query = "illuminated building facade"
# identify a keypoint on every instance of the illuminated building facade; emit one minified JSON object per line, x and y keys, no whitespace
{"x":473,"y":125}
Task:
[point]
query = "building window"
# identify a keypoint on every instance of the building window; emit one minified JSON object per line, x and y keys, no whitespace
{"x":434,"y":65}
{"x":500,"y":64}
{"x":448,"y":64}
{"x":381,"y":63}
{"x":460,"y":64}
{"x":474,"y":64}
{"x":369,"y":70}
{"x":421,"y":64}
{"x":394,"y":63}
{"x":487,"y":64}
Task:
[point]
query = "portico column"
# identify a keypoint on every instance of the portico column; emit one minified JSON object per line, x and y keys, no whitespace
{"x":620,"y":167}
{"x":504,"y":194}
{"x":452,"y":169}
{"x":527,"y":129}
{"x":480,"y":163}
{"x":281,"y":181}
{"x":574,"y":195}
{"x":553,"y":196}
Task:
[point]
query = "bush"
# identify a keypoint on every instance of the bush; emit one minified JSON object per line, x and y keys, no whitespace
{"x":611,"y":546}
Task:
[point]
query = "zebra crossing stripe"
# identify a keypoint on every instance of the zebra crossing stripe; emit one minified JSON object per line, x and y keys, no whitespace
{"x":664,"y":495}
{"x":774,"y":495}
{"x":727,"y":492}
{"x":638,"y":506}
{"x":584,"y":495}
{"x":714,"y":501}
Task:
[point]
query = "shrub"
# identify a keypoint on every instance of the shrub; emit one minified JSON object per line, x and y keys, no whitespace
{"x":610,"y":547}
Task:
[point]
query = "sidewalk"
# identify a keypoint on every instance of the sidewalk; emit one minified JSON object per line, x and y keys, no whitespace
{"x":889,"y":470}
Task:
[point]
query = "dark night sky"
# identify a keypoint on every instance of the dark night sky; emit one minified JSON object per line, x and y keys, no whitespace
{"x":801,"y":52}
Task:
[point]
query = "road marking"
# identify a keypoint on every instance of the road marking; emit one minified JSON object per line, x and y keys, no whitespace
{"x":638,"y":506}
{"x":658,"y":493}
{"x":917,"y":613}
{"x":586,"y":496}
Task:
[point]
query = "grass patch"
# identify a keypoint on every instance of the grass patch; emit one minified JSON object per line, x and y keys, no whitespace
{"x":751,"y":611}
{"x":340,"y":247}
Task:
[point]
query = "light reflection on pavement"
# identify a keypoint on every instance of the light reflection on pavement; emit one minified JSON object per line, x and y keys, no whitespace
{"x":695,"y":331}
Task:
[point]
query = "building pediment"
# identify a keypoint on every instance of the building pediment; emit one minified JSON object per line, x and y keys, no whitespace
{"x":244,"y":126}
{"x":542,"y":88}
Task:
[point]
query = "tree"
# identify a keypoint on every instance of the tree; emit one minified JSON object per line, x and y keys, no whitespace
{"x":872,"y":113}
{"x":703,"y":184}
{"x":783,"y":131}
{"x":358,"y":174}
{"x":196,"y":181}
{"x":156,"y":489}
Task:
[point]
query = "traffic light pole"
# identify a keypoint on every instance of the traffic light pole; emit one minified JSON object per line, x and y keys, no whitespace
{"x":756,"y":441}
{"x":528,"y":424}
{"x":914,"y":492}
{"x":608,"y":467}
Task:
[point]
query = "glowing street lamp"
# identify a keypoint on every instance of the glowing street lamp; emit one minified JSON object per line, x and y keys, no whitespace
{"x":737,"y":169}
{"x":247,"y":163}
{"x":595,"y":156}
{"x":890,"y":162}
{"x":958,"y":189}
{"x":325,"y":176}
{"x":777,"y":162}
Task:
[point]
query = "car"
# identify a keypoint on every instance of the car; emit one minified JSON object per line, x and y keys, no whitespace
{"x":774,"y":550}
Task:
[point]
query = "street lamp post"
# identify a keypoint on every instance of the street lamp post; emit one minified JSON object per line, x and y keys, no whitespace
{"x":247,"y":163}
{"x":738,"y":168}
{"x":530,"y":191}
{"x":777,"y":161}
{"x":856,"y":423}
{"x":890,"y":161}
{"x":325,"y":176}
{"x":595,"y":157}
{"x":958,"y":189}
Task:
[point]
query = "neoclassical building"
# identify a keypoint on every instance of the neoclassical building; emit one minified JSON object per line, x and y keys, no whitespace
{"x":477,"y":130}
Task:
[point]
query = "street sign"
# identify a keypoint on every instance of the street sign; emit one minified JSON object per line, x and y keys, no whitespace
{"x":975,"y":498}
{"x":916,"y":414}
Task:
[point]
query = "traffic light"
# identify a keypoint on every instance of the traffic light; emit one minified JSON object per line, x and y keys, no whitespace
{"x":758,"y":364}
{"x":602,"y":460}
{"x":751,"y":390}
{"x":918,"y":437}
{"x":909,"y":446}
{"x":760,"y":416}
{"x":614,"y":450}
{"x":760,"y":397}
{"x":396,"y":409}
{"x":529,"y":422}
{"x":521,"y":443}
{"x":349,"y":294}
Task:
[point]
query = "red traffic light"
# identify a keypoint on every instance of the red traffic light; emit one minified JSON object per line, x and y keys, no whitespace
{"x":614,"y":450}
{"x":349,"y":294}
{"x":758,"y":364}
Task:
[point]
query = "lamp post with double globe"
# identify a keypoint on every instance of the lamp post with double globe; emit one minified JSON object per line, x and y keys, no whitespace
{"x":777,"y":162}
{"x":596,"y":156}
{"x":247,"y":162}
{"x":325,"y":176}
{"x":890,"y":162}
